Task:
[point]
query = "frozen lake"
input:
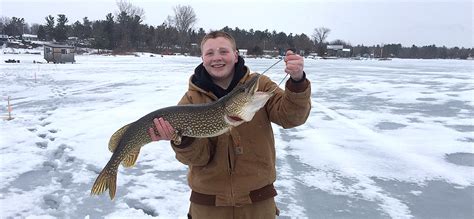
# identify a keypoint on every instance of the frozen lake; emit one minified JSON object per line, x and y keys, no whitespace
{"x":385,"y":139}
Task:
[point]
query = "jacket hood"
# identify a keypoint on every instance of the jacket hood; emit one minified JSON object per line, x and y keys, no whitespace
{"x":202,"y":79}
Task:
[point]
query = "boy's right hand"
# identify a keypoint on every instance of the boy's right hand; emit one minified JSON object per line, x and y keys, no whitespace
{"x":161,"y":131}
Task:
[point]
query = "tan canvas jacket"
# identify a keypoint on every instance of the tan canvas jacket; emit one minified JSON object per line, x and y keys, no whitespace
{"x":237,"y":162}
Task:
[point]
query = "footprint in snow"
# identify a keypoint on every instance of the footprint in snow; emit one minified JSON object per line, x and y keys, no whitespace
{"x":42,"y":135}
{"x":42,"y":144}
{"x":51,"y":201}
{"x":45,"y":123}
{"x":32,"y":129}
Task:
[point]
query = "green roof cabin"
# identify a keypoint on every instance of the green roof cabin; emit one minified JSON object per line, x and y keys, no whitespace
{"x":59,"y":53}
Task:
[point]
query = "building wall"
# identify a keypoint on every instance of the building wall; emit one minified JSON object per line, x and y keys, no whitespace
{"x":59,"y":55}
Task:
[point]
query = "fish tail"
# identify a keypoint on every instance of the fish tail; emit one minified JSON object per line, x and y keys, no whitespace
{"x":107,"y":179}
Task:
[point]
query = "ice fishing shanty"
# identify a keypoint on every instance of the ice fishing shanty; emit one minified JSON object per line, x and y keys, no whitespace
{"x":59,"y":53}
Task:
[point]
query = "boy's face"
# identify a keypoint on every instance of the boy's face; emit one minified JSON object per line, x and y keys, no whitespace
{"x":219,"y":58}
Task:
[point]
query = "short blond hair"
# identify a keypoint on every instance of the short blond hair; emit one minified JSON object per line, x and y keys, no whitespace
{"x":218,"y":33}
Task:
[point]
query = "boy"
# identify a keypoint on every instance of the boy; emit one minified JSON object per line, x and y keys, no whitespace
{"x":232,"y":175}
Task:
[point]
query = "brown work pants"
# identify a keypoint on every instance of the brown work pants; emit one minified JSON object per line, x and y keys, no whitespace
{"x":258,"y":210}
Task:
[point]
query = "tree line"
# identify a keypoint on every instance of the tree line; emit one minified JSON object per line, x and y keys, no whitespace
{"x":125,"y":31}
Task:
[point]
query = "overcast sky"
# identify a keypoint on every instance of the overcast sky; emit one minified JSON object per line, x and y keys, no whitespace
{"x":368,"y":22}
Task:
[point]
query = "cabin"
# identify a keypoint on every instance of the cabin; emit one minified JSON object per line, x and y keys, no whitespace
{"x":29,"y":37}
{"x":243,"y":52}
{"x":338,"y":51}
{"x":59,"y":53}
{"x":3,"y":39}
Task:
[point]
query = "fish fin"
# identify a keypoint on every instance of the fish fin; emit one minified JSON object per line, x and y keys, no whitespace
{"x":112,"y":187}
{"x":131,"y":158}
{"x":116,"y":137}
{"x":106,"y":180}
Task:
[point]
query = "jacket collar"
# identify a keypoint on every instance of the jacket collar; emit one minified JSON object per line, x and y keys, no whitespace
{"x":203,"y":80}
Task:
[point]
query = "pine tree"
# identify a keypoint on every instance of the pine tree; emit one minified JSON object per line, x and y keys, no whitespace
{"x":61,"y":30}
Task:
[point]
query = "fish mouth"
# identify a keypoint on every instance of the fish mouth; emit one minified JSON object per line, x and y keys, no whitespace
{"x":234,"y":120}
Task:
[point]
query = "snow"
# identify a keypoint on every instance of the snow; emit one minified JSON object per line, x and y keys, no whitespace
{"x":375,"y":144}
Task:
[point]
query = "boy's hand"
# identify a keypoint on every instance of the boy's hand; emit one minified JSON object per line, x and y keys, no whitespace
{"x":294,"y":65}
{"x":161,"y":131}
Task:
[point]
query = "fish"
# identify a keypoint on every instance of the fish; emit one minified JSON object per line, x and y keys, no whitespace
{"x":192,"y":120}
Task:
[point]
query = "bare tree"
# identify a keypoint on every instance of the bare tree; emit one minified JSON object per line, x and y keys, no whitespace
{"x":320,"y":34}
{"x":184,"y":18}
{"x":4,"y":21}
{"x":130,"y":9}
{"x":169,"y":21}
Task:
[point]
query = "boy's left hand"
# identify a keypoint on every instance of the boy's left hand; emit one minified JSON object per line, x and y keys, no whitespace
{"x":294,"y":65}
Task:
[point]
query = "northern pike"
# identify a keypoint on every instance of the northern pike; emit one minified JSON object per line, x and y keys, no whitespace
{"x":192,"y":120}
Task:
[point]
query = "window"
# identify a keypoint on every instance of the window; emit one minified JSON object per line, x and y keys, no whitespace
{"x":63,"y":51}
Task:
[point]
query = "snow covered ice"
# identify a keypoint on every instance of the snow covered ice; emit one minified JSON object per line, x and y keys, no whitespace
{"x":385,"y":139}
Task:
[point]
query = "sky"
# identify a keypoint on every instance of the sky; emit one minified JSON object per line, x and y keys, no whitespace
{"x":369,"y":22}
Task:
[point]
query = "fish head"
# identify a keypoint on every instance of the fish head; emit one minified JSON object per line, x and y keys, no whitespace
{"x":244,"y":101}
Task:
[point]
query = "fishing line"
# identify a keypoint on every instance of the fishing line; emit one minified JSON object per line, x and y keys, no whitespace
{"x":271,"y":66}
{"x":286,"y":75}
